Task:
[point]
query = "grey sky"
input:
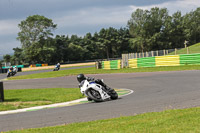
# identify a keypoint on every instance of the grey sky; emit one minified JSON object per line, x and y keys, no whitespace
{"x":77,"y":16}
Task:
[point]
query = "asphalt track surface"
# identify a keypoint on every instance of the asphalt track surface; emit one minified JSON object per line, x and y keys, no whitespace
{"x":3,"y":76}
{"x":153,"y":91}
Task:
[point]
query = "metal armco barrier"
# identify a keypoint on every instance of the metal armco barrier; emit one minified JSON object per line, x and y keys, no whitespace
{"x":1,"y":92}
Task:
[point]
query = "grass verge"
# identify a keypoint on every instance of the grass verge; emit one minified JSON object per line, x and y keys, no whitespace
{"x":191,"y":50}
{"x":101,"y":71}
{"x":23,"y":98}
{"x":178,"y":121}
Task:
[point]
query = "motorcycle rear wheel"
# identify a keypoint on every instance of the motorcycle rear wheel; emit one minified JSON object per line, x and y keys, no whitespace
{"x":113,"y":95}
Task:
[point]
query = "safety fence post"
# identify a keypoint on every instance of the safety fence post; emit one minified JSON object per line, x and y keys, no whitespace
{"x":1,"y":92}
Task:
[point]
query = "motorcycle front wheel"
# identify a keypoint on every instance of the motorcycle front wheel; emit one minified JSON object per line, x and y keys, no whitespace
{"x":94,"y":95}
{"x":8,"y":75}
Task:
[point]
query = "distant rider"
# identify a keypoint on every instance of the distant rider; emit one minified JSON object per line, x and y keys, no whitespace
{"x":57,"y":67}
{"x":11,"y":69}
{"x":15,"y":69}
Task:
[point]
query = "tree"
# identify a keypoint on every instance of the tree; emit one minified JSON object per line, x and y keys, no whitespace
{"x":34,"y":29}
{"x":108,"y":42}
{"x":60,"y":49}
{"x":192,"y":26}
{"x":145,"y":28}
{"x":90,"y":46}
{"x":76,"y":52}
{"x":137,"y":30}
{"x":122,"y":40}
{"x":7,"y":58}
{"x":173,"y":32}
{"x":18,"y":55}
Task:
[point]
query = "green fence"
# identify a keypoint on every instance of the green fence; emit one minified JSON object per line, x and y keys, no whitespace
{"x":146,"y":62}
{"x":22,"y":66}
{"x":38,"y":65}
{"x":113,"y":64}
{"x":188,"y":59}
{"x":169,"y":60}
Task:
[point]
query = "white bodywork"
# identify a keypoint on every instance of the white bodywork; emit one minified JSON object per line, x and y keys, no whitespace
{"x":85,"y":85}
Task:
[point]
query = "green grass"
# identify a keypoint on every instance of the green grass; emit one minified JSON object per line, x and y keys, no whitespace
{"x":101,"y":71}
{"x":170,"y":121}
{"x":23,"y":98}
{"x":192,"y":50}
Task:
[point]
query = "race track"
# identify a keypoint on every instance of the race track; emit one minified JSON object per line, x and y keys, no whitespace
{"x":3,"y":75}
{"x":153,"y":91}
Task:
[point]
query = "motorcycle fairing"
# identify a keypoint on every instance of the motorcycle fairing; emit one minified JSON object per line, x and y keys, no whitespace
{"x":88,"y":85}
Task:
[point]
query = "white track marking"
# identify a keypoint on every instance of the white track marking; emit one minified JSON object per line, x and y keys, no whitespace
{"x":54,"y":105}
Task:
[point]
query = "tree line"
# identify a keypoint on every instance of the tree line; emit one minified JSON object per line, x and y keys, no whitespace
{"x":146,"y":30}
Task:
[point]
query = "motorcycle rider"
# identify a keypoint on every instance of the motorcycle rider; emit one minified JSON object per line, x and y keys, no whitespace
{"x":10,"y":71}
{"x":58,"y":65}
{"x":11,"y":68}
{"x":81,"y":77}
{"x":108,"y":90}
{"x":15,"y":69}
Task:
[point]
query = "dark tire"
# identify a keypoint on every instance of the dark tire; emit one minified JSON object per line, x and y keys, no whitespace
{"x":94,"y":95}
{"x":113,"y":95}
{"x":8,"y":75}
{"x":89,"y":99}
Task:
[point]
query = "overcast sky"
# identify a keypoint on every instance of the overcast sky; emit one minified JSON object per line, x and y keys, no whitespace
{"x":77,"y":16}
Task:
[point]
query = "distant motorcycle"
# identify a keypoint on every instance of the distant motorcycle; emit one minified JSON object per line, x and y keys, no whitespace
{"x":56,"y":68}
{"x":97,"y":92}
{"x":10,"y":73}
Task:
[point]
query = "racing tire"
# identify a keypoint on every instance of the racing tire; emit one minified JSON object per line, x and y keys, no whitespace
{"x":8,"y":75}
{"x":89,"y":99}
{"x":113,"y":95}
{"x":94,"y":95}
{"x":13,"y":73}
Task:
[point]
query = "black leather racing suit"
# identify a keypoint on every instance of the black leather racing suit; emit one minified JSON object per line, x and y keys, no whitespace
{"x":98,"y":81}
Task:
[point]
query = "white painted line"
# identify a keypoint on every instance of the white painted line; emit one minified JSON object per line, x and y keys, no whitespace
{"x":131,"y":91}
{"x":42,"y":107}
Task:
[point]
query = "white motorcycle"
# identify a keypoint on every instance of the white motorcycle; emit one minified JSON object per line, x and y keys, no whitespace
{"x":11,"y":73}
{"x":56,"y":68}
{"x":97,"y":92}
